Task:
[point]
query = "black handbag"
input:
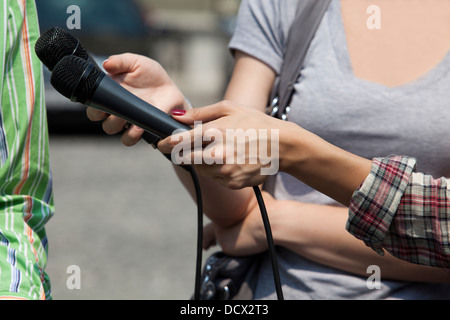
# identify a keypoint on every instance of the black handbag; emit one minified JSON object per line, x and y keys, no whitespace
{"x":235,"y":278}
{"x":229,"y":278}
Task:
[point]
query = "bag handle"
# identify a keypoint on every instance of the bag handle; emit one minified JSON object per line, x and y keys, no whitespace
{"x":303,"y":29}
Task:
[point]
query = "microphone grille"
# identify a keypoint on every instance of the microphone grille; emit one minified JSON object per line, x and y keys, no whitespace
{"x":88,"y":85}
{"x":75,"y":78}
{"x":67,"y":74}
{"x":55,"y":44}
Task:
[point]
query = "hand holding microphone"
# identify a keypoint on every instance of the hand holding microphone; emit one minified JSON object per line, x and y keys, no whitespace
{"x":148,"y":80}
{"x":80,"y":81}
{"x":141,"y":75}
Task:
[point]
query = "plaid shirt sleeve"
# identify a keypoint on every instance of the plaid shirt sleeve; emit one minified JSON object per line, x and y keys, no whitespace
{"x":404,"y":212}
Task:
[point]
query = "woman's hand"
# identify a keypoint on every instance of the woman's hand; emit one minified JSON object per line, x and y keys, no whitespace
{"x":247,"y":159}
{"x":234,"y":145}
{"x":146,"y":79}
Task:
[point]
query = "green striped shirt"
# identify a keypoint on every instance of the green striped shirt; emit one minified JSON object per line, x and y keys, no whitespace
{"x":26,"y":201}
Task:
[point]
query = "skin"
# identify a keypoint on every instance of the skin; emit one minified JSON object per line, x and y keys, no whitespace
{"x":316,"y":232}
{"x":413,"y":38}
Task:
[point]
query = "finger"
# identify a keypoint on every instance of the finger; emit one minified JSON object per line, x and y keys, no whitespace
{"x":185,"y":155}
{"x":113,"y":125}
{"x":191,"y":147}
{"x":182,"y":139}
{"x":188,"y":140}
{"x":96,"y":115}
{"x":122,"y":63}
{"x":132,"y":136}
{"x":184,"y":152}
{"x":204,"y":114}
{"x":165,"y":146}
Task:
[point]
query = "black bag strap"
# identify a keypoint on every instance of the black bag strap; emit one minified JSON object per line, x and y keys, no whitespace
{"x":303,"y":29}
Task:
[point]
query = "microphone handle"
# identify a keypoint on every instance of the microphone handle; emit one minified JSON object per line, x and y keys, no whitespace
{"x":148,"y":137}
{"x":114,"y":99}
{"x":151,"y":139}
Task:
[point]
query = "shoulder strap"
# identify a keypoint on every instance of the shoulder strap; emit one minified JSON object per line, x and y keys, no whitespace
{"x":308,"y":18}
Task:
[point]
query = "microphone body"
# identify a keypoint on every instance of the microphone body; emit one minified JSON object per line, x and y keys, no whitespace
{"x":55,"y":44}
{"x":80,"y":81}
{"x":113,"y":98}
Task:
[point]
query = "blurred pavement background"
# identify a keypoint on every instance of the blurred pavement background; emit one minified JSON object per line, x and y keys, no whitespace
{"x":121,"y":216}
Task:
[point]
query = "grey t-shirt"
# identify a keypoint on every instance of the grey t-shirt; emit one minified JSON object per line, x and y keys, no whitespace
{"x":365,"y":118}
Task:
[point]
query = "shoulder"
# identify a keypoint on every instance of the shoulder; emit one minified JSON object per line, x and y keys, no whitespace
{"x":263,"y":27}
{"x":278,"y":13}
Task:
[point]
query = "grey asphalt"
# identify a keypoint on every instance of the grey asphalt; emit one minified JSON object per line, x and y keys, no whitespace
{"x":122,"y":218}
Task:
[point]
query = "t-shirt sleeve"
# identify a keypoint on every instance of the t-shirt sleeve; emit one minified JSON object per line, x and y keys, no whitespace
{"x":262,"y":29}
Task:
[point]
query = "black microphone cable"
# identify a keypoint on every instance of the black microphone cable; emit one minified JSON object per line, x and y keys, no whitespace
{"x":267,"y":228}
{"x":199,"y":260}
{"x":270,"y":244}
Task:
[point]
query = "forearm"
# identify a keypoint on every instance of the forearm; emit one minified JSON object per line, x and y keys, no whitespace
{"x":216,"y":199}
{"x":318,"y":233}
{"x":223,"y":206}
{"x":321,"y":165}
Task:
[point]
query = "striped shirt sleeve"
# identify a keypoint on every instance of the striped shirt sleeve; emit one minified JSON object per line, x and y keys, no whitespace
{"x":26,"y":199}
{"x":404,"y":212}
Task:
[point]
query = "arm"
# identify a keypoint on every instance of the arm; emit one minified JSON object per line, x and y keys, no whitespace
{"x":330,"y":170}
{"x":300,"y":153}
{"x":395,"y":209}
{"x":324,"y":167}
{"x":404,"y":212}
{"x":318,"y":234}
{"x":338,"y":173}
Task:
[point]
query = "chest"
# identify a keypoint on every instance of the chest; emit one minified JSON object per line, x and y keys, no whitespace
{"x":396,"y":41}
{"x":370,"y":118}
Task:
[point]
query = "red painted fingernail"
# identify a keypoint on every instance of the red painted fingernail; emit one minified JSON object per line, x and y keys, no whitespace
{"x":177,"y":112}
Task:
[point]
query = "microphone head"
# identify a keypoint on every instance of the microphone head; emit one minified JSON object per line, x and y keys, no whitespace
{"x":56,"y":43}
{"x":76,"y":78}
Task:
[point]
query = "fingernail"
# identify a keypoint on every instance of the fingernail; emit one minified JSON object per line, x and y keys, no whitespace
{"x":177,"y":112}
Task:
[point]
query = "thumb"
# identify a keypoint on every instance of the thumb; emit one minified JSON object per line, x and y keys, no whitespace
{"x":204,"y":114}
{"x":122,"y":63}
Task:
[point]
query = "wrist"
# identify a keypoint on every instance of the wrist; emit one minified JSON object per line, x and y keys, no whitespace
{"x":293,"y":148}
{"x":321,"y":165}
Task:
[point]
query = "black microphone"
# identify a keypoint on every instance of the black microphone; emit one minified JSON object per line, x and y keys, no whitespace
{"x":80,"y":81}
{"x":56,"y":43}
